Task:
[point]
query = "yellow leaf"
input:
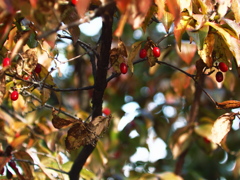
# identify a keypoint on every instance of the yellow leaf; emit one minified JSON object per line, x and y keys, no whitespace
{"x":221,"y":127}
{"x":206,"y":52}
{"x":17,"y":142}
{"x":235,"y":8}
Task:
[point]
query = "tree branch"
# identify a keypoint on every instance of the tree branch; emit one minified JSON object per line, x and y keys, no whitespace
{"x":99,"y":87}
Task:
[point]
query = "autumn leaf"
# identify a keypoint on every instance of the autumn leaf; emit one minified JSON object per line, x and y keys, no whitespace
{"x":61,"y":122}
{"x":77,"y":136}
{"x":151,"y":12}
{"x":230,"y":104}
{"x":45,"y":95}
{"x":221,"y":127}
{"x":235,"y":8}
{"x":135,"y":48}
{"x":17,"y":142}
{"x":206,"y":52}
{"x":187,"y":52}
{"x":99,"y":125}
{"x":161,"y":5}
{"x":180,"y":140}
{"x":27,"y":62}
{"x":180,"y":29}
{"x":174,"y":8}
{"x":199,"y":36}
{"x":82,"y":6}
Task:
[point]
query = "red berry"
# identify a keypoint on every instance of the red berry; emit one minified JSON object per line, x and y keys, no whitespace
{"x":12,"y":164}
{"x":6,"y":62}
{"x":74,"y":2}
{"x":143,"y":53}
{"x":106,"y":111}
{"x":14,"y":95}
{"x":123,"y":68}
{"x":223,"y":67}
{"x":219,"y":76}
{"x":26,"y":77}
{"x":156,"y":51}
{"x":38,"y":68}
{"x":206,"y":140}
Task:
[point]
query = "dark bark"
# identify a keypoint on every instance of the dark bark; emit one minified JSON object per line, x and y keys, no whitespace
{"x":100,"y":85}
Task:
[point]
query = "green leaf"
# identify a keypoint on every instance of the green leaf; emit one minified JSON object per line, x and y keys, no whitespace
{"x":199,"y":36}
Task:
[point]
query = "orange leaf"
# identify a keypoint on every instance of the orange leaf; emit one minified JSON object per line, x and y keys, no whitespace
{"x":161,"y":5}
{"x":187,"y":52}
{"x":230,"y":104}
{"x":174,"y":9}
{"x":82,"y":6}
{"x":17,"y":142}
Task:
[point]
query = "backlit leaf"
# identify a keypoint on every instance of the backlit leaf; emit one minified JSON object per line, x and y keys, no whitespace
{"x":235,"y":8}
{"x":221,"y":127}
{"x":18,"y":142}
{"x":180,"y":29}
{"x":151,"y":12}
{"x":206,"y":52}
{"x":161,"y":5}
{"x":180,"y":141}
{"x":174,"y":8}
{"x":45,"y":95}
{"x":187,"y":52}
{"x":135,"y":48}
{"x":167,"y":20}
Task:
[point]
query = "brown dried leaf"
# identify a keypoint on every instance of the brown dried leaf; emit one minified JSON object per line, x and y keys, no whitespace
{"x":99,"y":125}
{"x":78,"y":135}
{"x":230,"y":104}
{"x":45,"y":95}
{"x":28,"y":62}
{"x":122,"y":49}
{"x":221,"y":127}
{"x":2,"y":87}
{"x":61,"y":122}
{"x":135,"y":48}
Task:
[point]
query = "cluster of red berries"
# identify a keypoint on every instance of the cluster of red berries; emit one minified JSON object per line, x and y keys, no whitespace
{"x":155,"y":50}
{"x":223,"y":68}
{"x":7,"y":62}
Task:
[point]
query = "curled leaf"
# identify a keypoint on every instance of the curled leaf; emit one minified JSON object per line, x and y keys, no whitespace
{"x":230,"y":104}
{"x":221,"y":127}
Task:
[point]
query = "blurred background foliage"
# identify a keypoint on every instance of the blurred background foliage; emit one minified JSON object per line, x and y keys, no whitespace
{"x":150,"y":110}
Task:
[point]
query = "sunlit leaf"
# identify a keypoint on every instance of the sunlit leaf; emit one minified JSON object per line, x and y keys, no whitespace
{"x":174,"y":8}
{"x":151,"y":12}
{"x":221,"y":127}
{"x":235,"y":8}
{"x":135,"y":48}
{"x":180,"y":141}
{"x":17,"y":142}
{"x":161,"y":5}
{"x":206,"y":52}
{"x":167,"y":20}
{"x":180,"y":29}
{"x":187,"y":52}
{"x":169,"y":175}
